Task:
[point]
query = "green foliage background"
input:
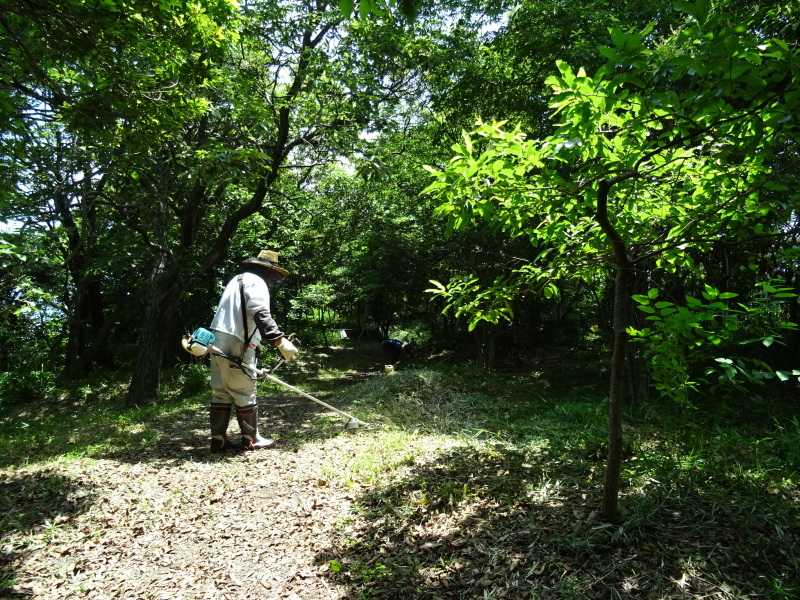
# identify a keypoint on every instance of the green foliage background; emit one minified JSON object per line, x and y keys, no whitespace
{"x":524,"y":188}
{"x":134,"y":181}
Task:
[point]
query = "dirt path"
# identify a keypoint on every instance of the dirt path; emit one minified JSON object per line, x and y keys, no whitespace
{"x":176,"y":522}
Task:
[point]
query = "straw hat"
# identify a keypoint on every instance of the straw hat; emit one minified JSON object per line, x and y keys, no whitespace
{"x":269,"y":259}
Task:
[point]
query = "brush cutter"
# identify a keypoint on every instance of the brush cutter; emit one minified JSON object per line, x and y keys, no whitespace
{"x":201,"y":341}
{"x":261,"y":374}
{"x":352,"y":422}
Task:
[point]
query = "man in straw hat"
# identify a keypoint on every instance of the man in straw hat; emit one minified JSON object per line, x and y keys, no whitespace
{"x":242,"y":321}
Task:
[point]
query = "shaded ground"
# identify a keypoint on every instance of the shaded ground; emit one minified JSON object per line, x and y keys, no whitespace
{"x":173,"y":521}
{"x":361,"y":514}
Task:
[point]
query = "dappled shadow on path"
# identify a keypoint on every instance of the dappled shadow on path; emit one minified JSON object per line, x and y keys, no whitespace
{"x":472,"y":525}
{"x":46,"y":503}
{"x":473,"y":520}
{"x":45,"y":500}
{"x":155,"y":518}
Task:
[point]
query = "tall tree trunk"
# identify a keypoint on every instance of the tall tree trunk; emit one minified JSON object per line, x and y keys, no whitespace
{"x":162,"y":300}
{"x":101,"y":325}
{"x":624,"y":268}
{"x":82,"y":350}
{"x":164,"y":286}
{"x":75,"y":325}
{"x":87,"y":326}
{"x":616,"y":395}
{"x":637,"y":370}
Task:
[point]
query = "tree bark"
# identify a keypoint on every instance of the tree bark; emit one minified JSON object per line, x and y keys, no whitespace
{"x":637,"y":372}
{"x":487,"y":345}
{"x":165,"y":285}
{"x":97,"y":350}
{"x":160,"y":308}
{"x":624,"y":267}
{"x":616,"y":395}
{"x":89,"y":330}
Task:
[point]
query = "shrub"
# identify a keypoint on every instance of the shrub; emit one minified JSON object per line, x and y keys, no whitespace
{"x":22,"y":386}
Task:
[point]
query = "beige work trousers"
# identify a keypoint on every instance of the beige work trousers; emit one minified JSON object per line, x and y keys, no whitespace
{"x":229,"y":383}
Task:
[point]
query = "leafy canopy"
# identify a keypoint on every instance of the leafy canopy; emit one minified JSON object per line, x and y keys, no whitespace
{"x":684,"y":132}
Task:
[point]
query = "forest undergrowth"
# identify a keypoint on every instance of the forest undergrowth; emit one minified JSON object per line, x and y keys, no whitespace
{"x":468,"y":485}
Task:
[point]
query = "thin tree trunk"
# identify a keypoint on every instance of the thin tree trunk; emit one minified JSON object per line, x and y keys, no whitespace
{"x":100,"y":352}
{"x":616,"y":395}
{"x":624,"y":268}
{"x":161,"y":301}
{"x":487,"y":340}
{"x":89,"y":319}
{"x":637,"y":370}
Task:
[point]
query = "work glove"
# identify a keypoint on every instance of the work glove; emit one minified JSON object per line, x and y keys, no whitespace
{"x":288,"y":349}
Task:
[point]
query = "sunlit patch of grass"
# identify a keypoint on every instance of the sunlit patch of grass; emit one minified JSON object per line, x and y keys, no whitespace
{"x":420,"y":399}
{"x":680,"y":476}
{"x":381,"y":458}
{"x":84,"y":430}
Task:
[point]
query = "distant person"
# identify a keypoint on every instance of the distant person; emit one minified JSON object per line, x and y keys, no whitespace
{"x":395,"y":350}
{"x":241,"y":323}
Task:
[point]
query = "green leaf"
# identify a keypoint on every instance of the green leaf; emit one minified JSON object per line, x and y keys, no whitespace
{"x":701,"y":10}
{"x":710,"y":292}
{"x":467,"y":141}
{"x":346,"y":8}
{"x":609,"y":53}
{"x":693,"y":302}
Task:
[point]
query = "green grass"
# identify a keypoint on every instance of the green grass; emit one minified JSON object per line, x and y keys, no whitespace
{"x":453,"y":436}
{"x":89,"y":420}
{"x":709,"y":493}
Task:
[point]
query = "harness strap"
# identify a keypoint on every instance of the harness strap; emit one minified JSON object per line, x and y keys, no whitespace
{"x":247,"y":338}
